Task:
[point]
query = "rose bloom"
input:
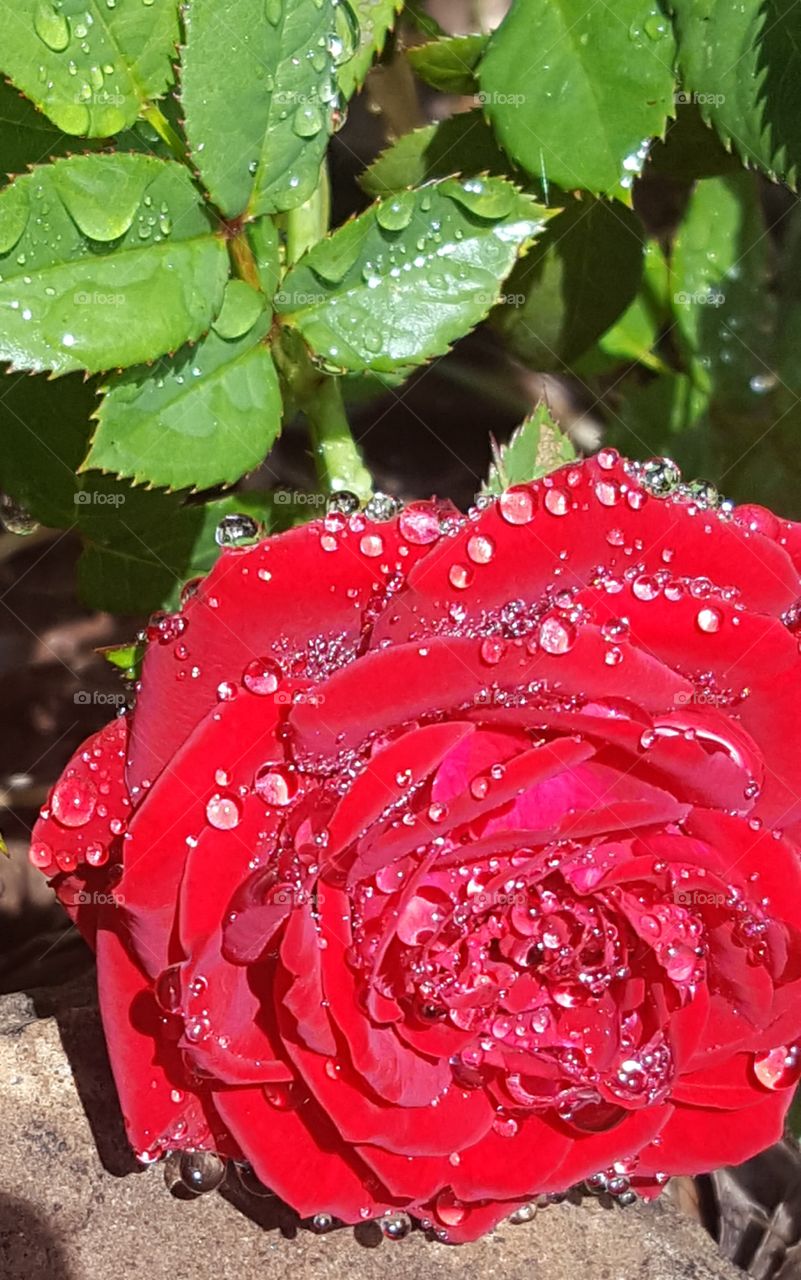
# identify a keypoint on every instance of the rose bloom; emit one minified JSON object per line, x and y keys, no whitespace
{"x":450,"y":860}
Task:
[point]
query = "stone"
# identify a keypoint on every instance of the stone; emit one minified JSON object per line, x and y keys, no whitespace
{"x":74,"y":1205}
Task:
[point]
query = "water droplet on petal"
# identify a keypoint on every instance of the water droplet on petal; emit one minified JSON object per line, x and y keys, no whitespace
{"x":778,"y":1068}
{"x":277,"y":785}
{"x":223,"y":811}
{"x":517,"y":506}
{"x":708,"y":620}
{"x":262,"y":676}
{"x":556,"y":635}
{"x":73,"y":801}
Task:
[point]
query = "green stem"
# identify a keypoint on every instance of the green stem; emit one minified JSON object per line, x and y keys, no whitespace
{"x":243,"y":259}
{"x":337,"y":456}
{"x":158,"y":121}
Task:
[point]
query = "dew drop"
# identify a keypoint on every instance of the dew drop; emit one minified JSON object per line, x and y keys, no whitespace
{"x":277,"y":785}
{"x":73,"y":801}
{"x":517,"y":506}
{"x":201,"y":1171}
{"x":262,"y":676}
{"x":223,"y":811}
{"x":708,"y":620}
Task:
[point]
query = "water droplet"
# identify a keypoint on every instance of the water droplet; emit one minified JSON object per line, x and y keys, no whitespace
{"x":73,"y":801}
{"x":460,"y":576}
{"x":419,"y":524}
{"x":343,"y":503}
{"x":236,"y":531}
{"x":778,"y":1068}
{"x":485,"y":197}
{"x":322,"y":1222}
{"x":480,"y":549}
{"x":557,"y":502}
{"x":308,"y":120}
{"x":395,"y":1226}
{"x":51,"y":27}
{"x":524,"y":1214}
{"x":223,"y":811}
{"x":262,"y":676}
{"x":371,"y":545}
{"x":708,"y":620}
{"x":15,"y":518}
{"x":381,"y":507}
{"x":517,"y":505}
{"x":201,"y":1171}
{"x":396,"y":213}
{"x":556,"y":635}
{"x":660,"y":476}
{"x":273,"y":11}
{"x":277,"y":785}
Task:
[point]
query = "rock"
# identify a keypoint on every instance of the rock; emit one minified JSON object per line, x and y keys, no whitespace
{"x":75,"y":1206}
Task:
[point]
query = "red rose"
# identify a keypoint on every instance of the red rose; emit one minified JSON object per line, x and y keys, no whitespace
{"x":446,"y":861}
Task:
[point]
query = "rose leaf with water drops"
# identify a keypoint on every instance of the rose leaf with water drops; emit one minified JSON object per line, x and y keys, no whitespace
{"x":105,"y":261}
{"x":376,"y":18}
{"x":91,"y":67}
{"x":200,"y":418}
{"x":450,"y":64}
{"x":405,"y":279}
{"x":535,"y":448}
{"x":258,"y":88}
{"x":575,"y":92}
{"x":742,"y":64}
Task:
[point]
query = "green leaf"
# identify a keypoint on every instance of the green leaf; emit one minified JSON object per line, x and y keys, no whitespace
{"x":44,"y":427}
{"x":203,"y":418}
{"x":89,"y":66}
{"x":449,"y":65}
{"x":141,"y":546}
{"x":633,"y":336}
{"x":412,"y":274}
{"x":376,"y":20}
{"x":27,"y":137}
{"x":460,"y":144}
{"x":666,"y":415}
{"x":574,"y":284}
{"x":741,"y":64}
{"x":126,"y":658}
{"x":691,"y":149}
{"x":721,"y":270}
{"x":105,"y":261}
{"x":257,"y":88}
{"x":536,"y":447}
{"x":573,"y":90}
